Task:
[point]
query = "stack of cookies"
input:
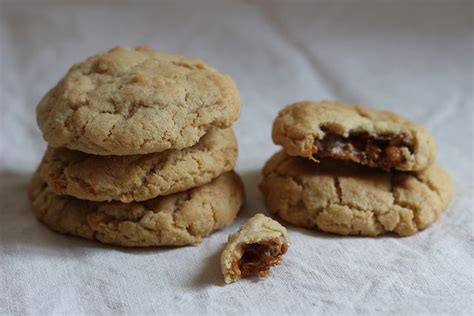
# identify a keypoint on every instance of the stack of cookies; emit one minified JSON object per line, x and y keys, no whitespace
{"x":141,"y":150}
{"x":353,"y":170}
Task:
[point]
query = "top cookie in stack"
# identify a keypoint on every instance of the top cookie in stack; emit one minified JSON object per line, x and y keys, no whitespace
{"x":370,"y":137}
{"x":372,"y":171}
{"x":136,"y":101}
{"x":141,"y":150}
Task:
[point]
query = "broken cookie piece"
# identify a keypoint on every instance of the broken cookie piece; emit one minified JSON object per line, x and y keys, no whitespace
{"x":259,"y":244}
{"x":366,"y":136}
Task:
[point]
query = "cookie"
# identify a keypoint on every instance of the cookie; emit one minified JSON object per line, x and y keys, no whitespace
{"x":259,"y":244}
{"x":353,"y":132}
{"x":349,"y":199}
{"x":174,"y":220}
{"x":131,"y":101}
{"x":139,"y":177}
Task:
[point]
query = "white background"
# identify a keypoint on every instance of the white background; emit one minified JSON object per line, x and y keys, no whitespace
{"x":414,"y":58}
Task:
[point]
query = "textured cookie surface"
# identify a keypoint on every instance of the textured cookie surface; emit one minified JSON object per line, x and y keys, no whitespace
{"x":353,"y":132}
{"x":136,"y":101}
{"x":174,"y":220}
{"x":139,"y":177}
{"x":346,"y":198}
{"x":259,"y":244}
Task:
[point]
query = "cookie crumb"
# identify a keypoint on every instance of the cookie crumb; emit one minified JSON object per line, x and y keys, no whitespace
{"x":258,"y":245}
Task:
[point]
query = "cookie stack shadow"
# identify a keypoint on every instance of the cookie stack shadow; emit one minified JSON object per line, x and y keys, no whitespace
{"x":141,"y":150}
{"x":353,"y":170}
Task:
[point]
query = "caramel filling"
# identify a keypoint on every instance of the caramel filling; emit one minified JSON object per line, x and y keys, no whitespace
{"x":257,"y":258}
{"x":381,"y":151}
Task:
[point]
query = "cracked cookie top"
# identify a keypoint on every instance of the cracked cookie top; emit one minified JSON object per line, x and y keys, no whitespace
{"x":173,"y":220}
{"x":349,"y":199}
{"x":370,"y":137}
{"x":139,"y":177}
{"x":136,"y":101}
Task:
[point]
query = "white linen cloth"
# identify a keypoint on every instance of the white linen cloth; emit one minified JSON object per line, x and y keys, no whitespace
{"x":414,"y":58}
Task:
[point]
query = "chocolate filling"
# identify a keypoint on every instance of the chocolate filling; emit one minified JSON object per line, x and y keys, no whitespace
{"x":381,"y":152}
{"x":257,"y":258}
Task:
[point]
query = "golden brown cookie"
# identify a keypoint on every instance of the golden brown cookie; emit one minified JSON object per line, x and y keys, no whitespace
{"x":139,"y":177}
{"x":131,"y":101}
{"x":353,"y":132}
{"x":259,"y":244}
{"x":349,"y":199}
{"x":174,"y":220}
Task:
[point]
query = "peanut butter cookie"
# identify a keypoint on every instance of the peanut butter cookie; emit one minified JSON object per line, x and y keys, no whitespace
{"x":259,"y":244}
{"x":139,"y":177}
{"x":349,"y":199}
{"x":131,"y":101}
{"x":353,"y":132}
{"x":174,"y":220}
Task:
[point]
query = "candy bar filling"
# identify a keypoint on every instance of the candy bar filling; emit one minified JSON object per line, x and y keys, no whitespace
{"x":257,"y":258}
{"x":383,"y":151}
